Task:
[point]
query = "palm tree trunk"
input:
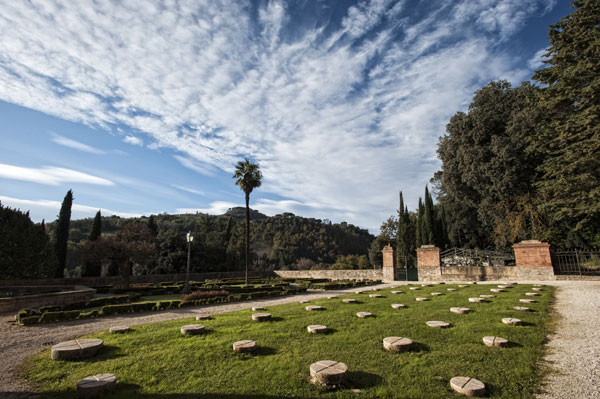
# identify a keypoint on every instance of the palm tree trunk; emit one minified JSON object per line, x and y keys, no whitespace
{"x":247,"y":233}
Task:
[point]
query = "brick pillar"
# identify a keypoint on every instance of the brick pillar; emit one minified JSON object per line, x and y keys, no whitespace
{"x":428,"y":263}
{"x":533,"y":260}
{"x":389,"y":272}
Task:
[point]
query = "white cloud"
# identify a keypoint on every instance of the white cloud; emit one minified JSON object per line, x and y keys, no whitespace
{"x":537,"y":61}
{"x":189,"y":190}
{"x":50,"y":175}
{"x":215,"y":208}
{"x":44,"y":209}
{"x":67,"y":142}
{"x":133,"y":140}
{"x":341,"y":120}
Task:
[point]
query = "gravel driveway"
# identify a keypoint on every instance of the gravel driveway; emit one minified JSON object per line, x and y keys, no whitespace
{"x":573,"y":351}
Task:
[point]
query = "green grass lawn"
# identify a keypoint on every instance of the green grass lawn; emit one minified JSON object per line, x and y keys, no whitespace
{"x":156,"y":361}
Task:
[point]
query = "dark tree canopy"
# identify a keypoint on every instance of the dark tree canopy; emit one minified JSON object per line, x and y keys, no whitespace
{"x":569,"y":139}
{"x":96,"y":230}
{"x":25,"y":250}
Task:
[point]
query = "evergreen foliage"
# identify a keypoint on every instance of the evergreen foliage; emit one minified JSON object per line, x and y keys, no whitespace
{"x":569,"y":138}
{"x":152,"y":225}
{"x":61,"y":236}
{"x":25,"y":249}
{"x":96,"y":230}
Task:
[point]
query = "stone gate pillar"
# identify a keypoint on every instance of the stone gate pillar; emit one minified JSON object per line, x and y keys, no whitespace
{"x":428,"y":263}
{"x":389,"y":271}
{"x":533,"y":260}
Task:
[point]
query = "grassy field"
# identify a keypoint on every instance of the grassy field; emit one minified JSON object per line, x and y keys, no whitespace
{"x":156,"y":361}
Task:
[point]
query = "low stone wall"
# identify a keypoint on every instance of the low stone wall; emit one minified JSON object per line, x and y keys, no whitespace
{"x":366,"y":274}
{"x":115,"y":280}
{"x":69,"y":294}
{"x":467,"y":273}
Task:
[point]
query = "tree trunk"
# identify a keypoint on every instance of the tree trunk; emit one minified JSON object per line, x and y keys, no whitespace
{"x":247,"y":233}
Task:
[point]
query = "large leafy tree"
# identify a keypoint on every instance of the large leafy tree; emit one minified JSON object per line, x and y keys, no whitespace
{"x":248,"y":177}
{"x":61,"y":234}
{"x":486,"y":169}
{"x":570,"y":138}
{"x":25,"y":250}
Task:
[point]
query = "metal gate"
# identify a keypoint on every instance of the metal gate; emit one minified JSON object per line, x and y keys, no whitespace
{"x":583,"y":263}
{"x":475,"y":257}
{"x":406,"y":269}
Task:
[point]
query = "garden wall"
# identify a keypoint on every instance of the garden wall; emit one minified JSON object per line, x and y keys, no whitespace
{"x":115,"y":280}
{"x":366,"y":274}
{"x":68,"y":294}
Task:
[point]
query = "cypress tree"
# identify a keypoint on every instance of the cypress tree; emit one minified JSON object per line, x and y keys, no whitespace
{"x":420,"y":224}
{"x":152,"y":225}
{"x":61,"y":235}
{"x":96,"y":229}
{"x":403,"y":235}
{"x":428,"y":220}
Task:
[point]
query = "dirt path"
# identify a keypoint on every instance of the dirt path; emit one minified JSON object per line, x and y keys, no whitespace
{"x":573,"y":351}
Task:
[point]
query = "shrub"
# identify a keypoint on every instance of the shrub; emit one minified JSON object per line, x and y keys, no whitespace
{"x":27,"y":320}
{"x":203,"y":294}
{"x":116,"y":309}
{"x":162,"y":305}
{"x":59,"y":316}
{"x":89,"y":315}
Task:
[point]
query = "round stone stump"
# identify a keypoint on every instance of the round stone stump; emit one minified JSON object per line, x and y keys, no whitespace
{"x":203,"y":316}
{"x":522,"y":309}
{"x":91,"y":387}
{"x":414,"y":288}
{"x":421,"y":299}
{"x":119,"y":329}
{"x":462,"y":286}
{"x":477,"y":300}
{"x":397,"y":344}
{"x":76,"y":349}
{"x":504,"y":286}
{"x":436,"y":294}
{"x":438,"y":324}
{"x":398,"y":292}
{"x":467,"y":386}
{"x":375,"y":289}
{"x":451,"y":289}
{"x":495,"y":342}
{"x":244,"y":346}
{"x":314,"y":307}
{"x":511,"y":321}
{"x":317,"y":329}
{"x":398,"y":305}
{"x":374,"y":296}
{"x":257,"y":308}
{"x":331,"y":297}
{"x":358,"y":292}
{"x":304,"y":301}
{"x":532,"y":294}
{"x":536,"y":289}
{"x":192,"y":329}
{"x":527,"y":300}
{"x":460,"y":310}
{"x":261,"y":316}
{"x":496,"y":290}
{"x":364,"y":315}
{"x":328,"y":372}
{"x":487,"y":296}
{"x":349,"y":300}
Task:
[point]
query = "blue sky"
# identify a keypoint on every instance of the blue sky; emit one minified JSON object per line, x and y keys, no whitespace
{"x":145,"y":107}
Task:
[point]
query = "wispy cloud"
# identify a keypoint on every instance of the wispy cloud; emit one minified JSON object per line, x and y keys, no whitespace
{"x":347,"y":109}
{"x":67,"y":142}
{"x":50,"y":175}
{"x":45,"y":209}
{"x":133,"y":140}
{"x":215,"y":208}
{"x":189,"y":190}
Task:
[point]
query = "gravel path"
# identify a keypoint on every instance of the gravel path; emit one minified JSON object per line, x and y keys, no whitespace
{"x":573,"y":351}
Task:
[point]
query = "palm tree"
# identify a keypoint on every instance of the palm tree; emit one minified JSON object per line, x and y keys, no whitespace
{"x":248,"y":177}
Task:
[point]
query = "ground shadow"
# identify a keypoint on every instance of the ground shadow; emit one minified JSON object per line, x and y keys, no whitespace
{"x":419,"y":347}
{"x":265,"y":351}
{"x":512,"y":344}
{"x":275,"y":319}
{"x":527,"y":324}
{"x":362,"y":380}
{"x":330,"y":331}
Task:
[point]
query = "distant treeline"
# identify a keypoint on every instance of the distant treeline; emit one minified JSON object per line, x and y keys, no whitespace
{"x":282,"y":241}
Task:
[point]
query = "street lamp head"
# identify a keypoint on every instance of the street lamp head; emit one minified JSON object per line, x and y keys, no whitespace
{"x":189,"y":237}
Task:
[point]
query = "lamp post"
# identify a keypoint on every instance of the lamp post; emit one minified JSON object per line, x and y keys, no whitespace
{"x":186,"y":288}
